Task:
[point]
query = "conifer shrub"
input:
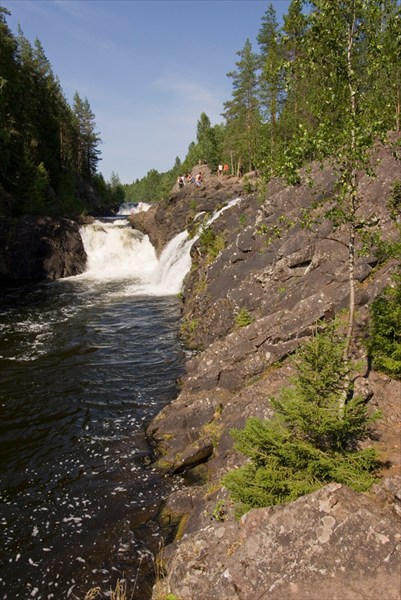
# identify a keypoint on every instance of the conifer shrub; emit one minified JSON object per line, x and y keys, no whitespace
{"x":395,"y":200}
{"x":243,"y":318}
{"x":210,"y":243}
{"x":312,"y":439}
{"x":384,"y":342}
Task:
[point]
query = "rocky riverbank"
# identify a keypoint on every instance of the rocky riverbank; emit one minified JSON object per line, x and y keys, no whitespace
{"x":262,"y":277}
{"x":37,"y":248}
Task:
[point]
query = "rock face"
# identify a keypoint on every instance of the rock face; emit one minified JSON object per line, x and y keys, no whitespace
{"x":332,"y":544}
{"x":248,"y":303}
{"x":36,"y":248}
{"x":172,"y":215}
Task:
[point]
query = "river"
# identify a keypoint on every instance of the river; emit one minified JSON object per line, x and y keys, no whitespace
{"x":85,"y":363}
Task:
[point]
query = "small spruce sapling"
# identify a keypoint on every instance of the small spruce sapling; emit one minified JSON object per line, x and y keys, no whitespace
{"x":312,"y":439}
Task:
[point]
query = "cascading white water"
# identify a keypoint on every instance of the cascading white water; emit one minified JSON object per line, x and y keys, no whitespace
{"x":116,"y":251}
{"x":109,"y":353}
{"x":130,"y":208}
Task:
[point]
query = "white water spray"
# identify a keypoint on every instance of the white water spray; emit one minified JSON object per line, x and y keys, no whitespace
{"x":130,"y":208}
{"x":116,"y":251}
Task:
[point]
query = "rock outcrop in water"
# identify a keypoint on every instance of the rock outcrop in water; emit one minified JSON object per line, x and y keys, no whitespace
{"x":267,"y":266}
{"x":37,"y":248}
{"x":172,"y":215}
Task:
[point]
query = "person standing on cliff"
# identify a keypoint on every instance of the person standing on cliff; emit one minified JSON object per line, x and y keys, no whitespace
{"x":220,"y":170}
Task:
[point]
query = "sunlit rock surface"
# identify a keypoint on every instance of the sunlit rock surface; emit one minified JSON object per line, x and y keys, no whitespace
{"x":284,"y":270}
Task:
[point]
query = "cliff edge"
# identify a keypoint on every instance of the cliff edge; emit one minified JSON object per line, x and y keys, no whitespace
{"x":262,"y":275}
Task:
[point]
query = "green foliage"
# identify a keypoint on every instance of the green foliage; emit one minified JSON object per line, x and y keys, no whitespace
{"x":219,"y":511}
{"x":207,"y":143}
{"x":384,"y":342}
{"x":87,"y":139}
{"x":395,"y":200}
{"x":243,"y":318}
{"x":69,"y":203}
{"x":154,"y":186}
{"x":242,"y":220}
{"x":40,"y":190}
{"x":243,"y":111}
{"x":279,"y":115}
{"x":268,"y":232}
{"x":42,"y":140}
{"x":211,"y":243}
{"x":311,"y":439}
{"x":248,"y":185}
{"x":189,"y":327}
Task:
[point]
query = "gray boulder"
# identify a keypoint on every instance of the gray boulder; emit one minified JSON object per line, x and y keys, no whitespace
{"x":333,"y":544}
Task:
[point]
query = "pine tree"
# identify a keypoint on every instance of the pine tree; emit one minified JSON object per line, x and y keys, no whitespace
{"x":10,"y":148}
{"x":298,"y":88}
{"x":271,"y":82}
{"x":242,"y":112}
{"x":311,"y":440}
{"x":87,"y":140}
{"x":207,"y":145}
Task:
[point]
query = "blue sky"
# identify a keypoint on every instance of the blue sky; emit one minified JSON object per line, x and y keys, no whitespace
{"x":149,"y":68}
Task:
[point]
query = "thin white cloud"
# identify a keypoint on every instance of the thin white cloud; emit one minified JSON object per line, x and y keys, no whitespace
{"x":74,"y":8}
{"x":190,"y":94}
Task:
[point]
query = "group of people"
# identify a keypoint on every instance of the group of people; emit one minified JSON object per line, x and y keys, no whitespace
{"x":222,"y":169}
{"x":183,"y":180}
{"x":189,"y":178}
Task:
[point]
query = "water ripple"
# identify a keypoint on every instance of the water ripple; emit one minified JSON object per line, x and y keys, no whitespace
{"x":83,"y":369}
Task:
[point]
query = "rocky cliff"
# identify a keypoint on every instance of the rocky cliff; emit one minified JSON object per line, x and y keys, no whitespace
{"x":263,"y":274}
{"x":37,"y":248}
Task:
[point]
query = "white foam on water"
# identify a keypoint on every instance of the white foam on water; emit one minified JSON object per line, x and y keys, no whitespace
{"x":116,"y":251}
{"x":130,"y":208}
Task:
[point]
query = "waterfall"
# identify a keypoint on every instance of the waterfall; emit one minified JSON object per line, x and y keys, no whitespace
{"x":117,"y":252}
{"x":130,"y":208}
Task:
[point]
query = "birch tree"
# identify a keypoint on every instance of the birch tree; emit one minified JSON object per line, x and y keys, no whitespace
{"x":337,"y":52}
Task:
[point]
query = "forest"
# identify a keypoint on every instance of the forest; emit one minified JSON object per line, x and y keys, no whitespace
{"x":49,"y":150}
{"x":326,"y":82}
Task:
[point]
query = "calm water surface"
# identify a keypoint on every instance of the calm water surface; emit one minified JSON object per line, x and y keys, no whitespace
{"x":84,"y":366}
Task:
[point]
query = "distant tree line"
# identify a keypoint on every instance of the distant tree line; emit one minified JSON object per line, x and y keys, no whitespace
{"x":49,"y":150}
{"x":329,"y":77}
{"x":330,"y":67}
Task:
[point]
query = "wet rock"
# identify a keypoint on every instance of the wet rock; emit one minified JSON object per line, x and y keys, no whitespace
{"x":192,"y":455}
{"x":172,"y":215}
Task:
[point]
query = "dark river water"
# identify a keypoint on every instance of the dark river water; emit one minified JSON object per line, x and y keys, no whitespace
{"x":84,"y":365}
